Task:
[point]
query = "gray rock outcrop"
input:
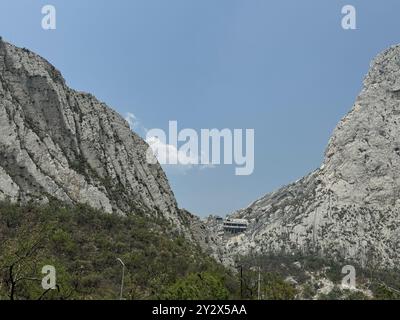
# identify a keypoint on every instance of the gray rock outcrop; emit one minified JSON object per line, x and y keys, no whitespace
{"x":349,"y":207}
{"x":57,"y":142}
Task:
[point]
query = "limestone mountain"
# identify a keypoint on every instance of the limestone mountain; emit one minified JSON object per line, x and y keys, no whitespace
{"x":349,"y":207}
{"x":57,"y":142}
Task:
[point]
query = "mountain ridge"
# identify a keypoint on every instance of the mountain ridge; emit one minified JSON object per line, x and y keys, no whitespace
{"x":61,"y":143}
{"x":349,"y":207}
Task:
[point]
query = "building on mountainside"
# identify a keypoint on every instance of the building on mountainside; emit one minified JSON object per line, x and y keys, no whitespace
{"x":235,"y":225}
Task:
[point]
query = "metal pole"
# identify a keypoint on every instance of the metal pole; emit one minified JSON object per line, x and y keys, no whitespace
{"x":122,"y":279}
{"x":241,"y":282}
{"x":259,"y":284}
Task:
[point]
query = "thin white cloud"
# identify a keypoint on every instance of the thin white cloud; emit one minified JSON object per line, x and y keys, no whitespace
{"x":169,"y":156}
{"x":173,"y":160}
{"x":132,"y":120}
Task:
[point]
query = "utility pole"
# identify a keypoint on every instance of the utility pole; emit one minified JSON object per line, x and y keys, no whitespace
{"x":122,"y":279}
{"x":259,"y":284}
{"x":241,"y":282}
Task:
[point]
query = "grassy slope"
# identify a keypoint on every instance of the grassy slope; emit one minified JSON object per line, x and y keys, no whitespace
{"x":311,"y":273}
{"x":83,"y":244}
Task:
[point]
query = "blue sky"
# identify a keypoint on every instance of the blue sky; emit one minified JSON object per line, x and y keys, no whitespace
{"x":285,"y":68}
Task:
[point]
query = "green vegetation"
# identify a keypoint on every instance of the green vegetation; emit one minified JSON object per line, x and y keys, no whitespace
{"x":383,"y":292}
{"x":275,"y":288}
{"x":83,"y":244}
{"x":339,"y":294}
{"x":264,"y":285}
{"x":309,"y":273}
{"x":199,"y":286}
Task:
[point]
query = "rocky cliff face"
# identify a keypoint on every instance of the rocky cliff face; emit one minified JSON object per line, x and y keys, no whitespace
{"x":57,"y":142}
{"x":349,"y":207}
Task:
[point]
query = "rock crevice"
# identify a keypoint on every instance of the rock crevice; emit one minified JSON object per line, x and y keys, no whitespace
{"x":348,"y":208}
{"x":55,"y":141}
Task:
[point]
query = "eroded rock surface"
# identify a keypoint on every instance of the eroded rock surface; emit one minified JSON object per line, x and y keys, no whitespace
{"x":57,"y":142}
{"x":349,"y":207}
